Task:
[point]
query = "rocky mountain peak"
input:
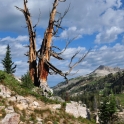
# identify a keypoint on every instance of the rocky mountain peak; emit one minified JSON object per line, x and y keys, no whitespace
{"x":104,"y":70}
{"x":107,"y":68}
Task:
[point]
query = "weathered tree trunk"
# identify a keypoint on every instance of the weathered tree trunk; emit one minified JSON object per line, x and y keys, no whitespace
{"x":43,"y":68}
{"x":32,"y":46}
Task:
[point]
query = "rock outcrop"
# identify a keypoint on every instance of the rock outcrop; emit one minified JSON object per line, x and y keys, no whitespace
{"x":17,"y":109}
{"x":77,"y":109}
{"x":20,"y":103}
{"x":11,"y":118}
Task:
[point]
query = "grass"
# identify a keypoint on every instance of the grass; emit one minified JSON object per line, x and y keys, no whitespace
{"x":3,"y":113}
{"x":121,"y":98}
{"x":56,"y":117}
{"x":92,"y":82}
{"x":9,"y":81}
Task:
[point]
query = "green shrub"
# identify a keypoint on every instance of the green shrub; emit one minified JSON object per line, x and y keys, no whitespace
{"x":63,"y":106}
{"x":26,"y":81}
{"x":2,"y":77}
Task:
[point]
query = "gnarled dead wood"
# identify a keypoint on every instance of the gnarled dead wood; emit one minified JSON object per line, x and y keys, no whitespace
{"x":32,"y":40}
{"x":43,"y":68}
{"x":46,"y":50}
{"x":57,"y":71}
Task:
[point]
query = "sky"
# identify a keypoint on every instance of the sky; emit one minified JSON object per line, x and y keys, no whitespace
{"x":97,"y":24}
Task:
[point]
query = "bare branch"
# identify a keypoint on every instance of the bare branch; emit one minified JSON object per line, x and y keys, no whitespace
{"x":62,"y":0}
{"x":52,"y":73}
{"x":73,"y":58}
{"x":19,"y":9}
{"x":56,"y":47}
{"x":74,"y":73}
{"x":57,"y":24}
{"x":24,"y":26}
{"x":26,"y":1}
{"x":54,"y":68}
{"x":26,"y":54}
{"x":67,"y":43}
{"x":26,"y":46}
{"x":55,"y":55}
{"x":79,"y":61}
{"x":38,"y":20}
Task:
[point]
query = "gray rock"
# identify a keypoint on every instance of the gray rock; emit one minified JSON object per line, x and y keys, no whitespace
{"x":4,"y":92}
{"x":57,"y":98}
{"x":13,"y":99}
{"x":39,"y":120}
{"x":9,"y":109}
{"x":46,"y":90}
{"x":22,"y":106}
{"x":56,"y":106}
{"x":19,"y":98}
{"x":18,"y":79}
{"x":21,"y":122}
{"x":76,"y":109}
{"x":2,"y":107}
{"x":39,"y":123}
{"x":33,"y":105}
{"x":12,"y":118}
{"x":31,"y":122}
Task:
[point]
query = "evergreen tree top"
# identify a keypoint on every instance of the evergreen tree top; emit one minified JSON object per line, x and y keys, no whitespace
{"x":8,"y":65}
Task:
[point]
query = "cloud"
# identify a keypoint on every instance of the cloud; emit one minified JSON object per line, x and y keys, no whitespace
{"x":19,"y":38}
{"x":109,"y":56}
{"x":72,"y":32}
{"x":102,"y":17}
{"x":84,"y":17}
{"x":71,"y":51}
{"x":108,"y":35}
{"x":2,"y":50}
{"x":13,"y":20}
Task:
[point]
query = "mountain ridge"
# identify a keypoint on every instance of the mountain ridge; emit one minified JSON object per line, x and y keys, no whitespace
{"x":101,"y":70}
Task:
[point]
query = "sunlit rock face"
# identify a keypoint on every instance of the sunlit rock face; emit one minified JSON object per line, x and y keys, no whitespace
{"x":77,"y":109}
{"x":11,"y":118}
{"x":105,"y":70}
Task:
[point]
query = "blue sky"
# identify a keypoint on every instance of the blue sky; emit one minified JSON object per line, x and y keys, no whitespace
{"x":99,"y":24}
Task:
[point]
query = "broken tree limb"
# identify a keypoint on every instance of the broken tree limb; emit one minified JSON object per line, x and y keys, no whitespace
{"x":55,"y":55}
{"x":57,"y":71}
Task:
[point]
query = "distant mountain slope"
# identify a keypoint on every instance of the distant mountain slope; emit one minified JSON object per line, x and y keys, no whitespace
{"x":77,"y":82}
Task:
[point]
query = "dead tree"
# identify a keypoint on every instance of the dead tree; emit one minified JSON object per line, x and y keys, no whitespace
{"x":32,"y":47}
{"x":46,"y":50}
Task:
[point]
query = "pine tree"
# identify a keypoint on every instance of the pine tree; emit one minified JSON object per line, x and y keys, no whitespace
{"x":107,"y":110}
{"x":8,"y":65}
